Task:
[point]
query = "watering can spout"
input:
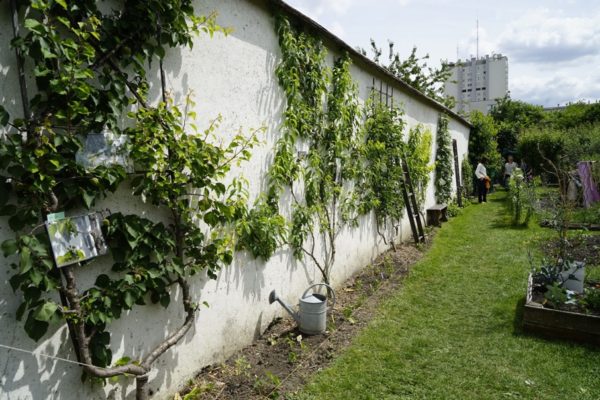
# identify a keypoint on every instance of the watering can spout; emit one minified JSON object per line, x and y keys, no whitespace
{"x":274,"y":298}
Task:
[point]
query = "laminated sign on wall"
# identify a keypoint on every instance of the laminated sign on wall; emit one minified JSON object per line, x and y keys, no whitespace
{"x":104,"y":149}
{"x":75,"y":239}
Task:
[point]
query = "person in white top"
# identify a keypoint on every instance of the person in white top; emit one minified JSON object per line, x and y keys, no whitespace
{"x":509,"y":167}
{"x":481,"y":175}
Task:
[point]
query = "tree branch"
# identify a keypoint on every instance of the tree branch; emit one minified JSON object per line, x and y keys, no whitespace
{"x":177,"y":335}
{"x":83,"y":340}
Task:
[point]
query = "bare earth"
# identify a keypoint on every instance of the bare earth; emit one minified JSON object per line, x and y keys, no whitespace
{"x":282,"y":360}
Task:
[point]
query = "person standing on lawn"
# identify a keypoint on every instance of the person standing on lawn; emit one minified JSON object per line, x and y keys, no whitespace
{"x":481,"y":175}
{"x":509,"y":167}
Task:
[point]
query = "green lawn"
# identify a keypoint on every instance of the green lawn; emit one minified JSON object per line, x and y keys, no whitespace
{"x":452,"y":332}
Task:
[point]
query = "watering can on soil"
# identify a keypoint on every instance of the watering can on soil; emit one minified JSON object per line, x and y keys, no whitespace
{"x":312,"y":311}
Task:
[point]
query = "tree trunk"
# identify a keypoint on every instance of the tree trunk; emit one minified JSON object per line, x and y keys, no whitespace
{"x":141,"y":392}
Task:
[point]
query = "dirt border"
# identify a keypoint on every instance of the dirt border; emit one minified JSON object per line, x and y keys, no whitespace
{"x":282,"y":360}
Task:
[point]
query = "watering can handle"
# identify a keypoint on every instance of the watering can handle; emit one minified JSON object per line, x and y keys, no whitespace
{"x":321,"y":284}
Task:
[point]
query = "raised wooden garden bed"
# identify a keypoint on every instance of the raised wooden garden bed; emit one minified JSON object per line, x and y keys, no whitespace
{"x":557,"y":323}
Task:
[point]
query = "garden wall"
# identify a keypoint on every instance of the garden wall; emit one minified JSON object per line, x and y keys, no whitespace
{"x":234,"y":77}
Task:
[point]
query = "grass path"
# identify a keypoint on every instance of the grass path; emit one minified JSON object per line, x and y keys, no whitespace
{"x":451,"y":332}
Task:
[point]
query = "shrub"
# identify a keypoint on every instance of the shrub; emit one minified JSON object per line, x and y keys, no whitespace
{"x":453,"y":209}
{"x":562,"y":147}
{"x":521,"y":197}
{"x":483,"y":142}
{"x":418,"y":157}
{"x":443,"y":162}
{"x":467,"y":177}
{"x":591,"y":298}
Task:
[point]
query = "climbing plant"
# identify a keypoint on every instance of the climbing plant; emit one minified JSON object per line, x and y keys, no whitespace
{"x":320,"y":121}
{"x":381,"y":188}
{"x":443,"y":162}
{"x":90,"y":70}
{"x":467,"y":174}
{"x":419,"y":159}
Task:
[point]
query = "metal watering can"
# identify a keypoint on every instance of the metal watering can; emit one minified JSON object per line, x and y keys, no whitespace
{"x":312,"y":312}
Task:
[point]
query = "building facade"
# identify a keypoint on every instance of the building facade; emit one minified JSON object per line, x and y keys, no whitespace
{"x":478,"y":82}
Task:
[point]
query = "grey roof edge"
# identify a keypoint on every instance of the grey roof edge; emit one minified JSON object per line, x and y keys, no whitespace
{"x":357,"y":56}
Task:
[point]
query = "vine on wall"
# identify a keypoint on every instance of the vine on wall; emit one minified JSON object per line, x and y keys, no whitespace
{"x":443,"y":162}
{"x":352,"y":165}
{"x":418,"y":158}
{"x":90,"y":68}
{"x":321,"y":115}
{"x":381,"y":183}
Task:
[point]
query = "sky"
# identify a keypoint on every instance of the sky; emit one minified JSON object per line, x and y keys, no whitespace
{"x":553,"y":46}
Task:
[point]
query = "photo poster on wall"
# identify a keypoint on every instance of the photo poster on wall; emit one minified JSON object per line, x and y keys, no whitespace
{"x":104,"y":148}
{"x":76,"y":239}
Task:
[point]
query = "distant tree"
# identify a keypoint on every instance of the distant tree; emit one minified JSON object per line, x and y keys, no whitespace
{"x":483,"y":142}
{"x":512,"y":117}
{"x":415,"y":71}
{"x":575,"y":114}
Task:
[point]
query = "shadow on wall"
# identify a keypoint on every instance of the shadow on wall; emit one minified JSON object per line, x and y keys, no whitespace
{"x":134,"y":335}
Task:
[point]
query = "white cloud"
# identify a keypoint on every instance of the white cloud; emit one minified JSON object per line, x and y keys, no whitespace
{"x":339,"y":6}
{"x":316,"y":9}
{"x":557,"y":88}
{"x":468,"y":48}
{"x":548,"y":36}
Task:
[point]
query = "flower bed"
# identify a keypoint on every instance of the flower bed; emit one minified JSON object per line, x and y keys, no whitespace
{"x":573,"y":319}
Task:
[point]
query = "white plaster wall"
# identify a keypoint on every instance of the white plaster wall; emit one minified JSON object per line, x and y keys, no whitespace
{"x":232,"y":76}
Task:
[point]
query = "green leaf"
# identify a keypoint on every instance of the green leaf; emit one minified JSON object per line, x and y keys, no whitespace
{"x":9,"y":247}
{"x":25,"y":262}
{"x":62,"y":3}
{"x":21,"y":310}
{"x":35,"y":329}
{"x":122,"y":361}
{"x":165,"y":300}
{"x":5,"y":190}
{"x":103,"y":281}
{"x":128,"y":299}
{"x":88,"y":198}
{"x":34,"y":25}
{"x":4,"y":116}
{"x":45,"y":312}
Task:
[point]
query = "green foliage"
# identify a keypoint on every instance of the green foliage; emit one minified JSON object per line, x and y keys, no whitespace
{"x":418,"y":158}
{"x":538,"y":144}
{"x":574,"y":115}
{"x":78,"y":58}
{"x":512,"y":117}
{"x":428,"y":319}
{"x":521,"y":197}
{"x":322,"y":113}
{"x":453,"y":209}
{"x":381,"y":186}
{"x":563,"y":147}
{"x":483,"y":143}
{"x":467,"y":174}
{"x":262,"y":230}
{"x":556,"y":295}
{"x":591,"y":299}
{"x":443,"y":162}
{"x":415,"y":72}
